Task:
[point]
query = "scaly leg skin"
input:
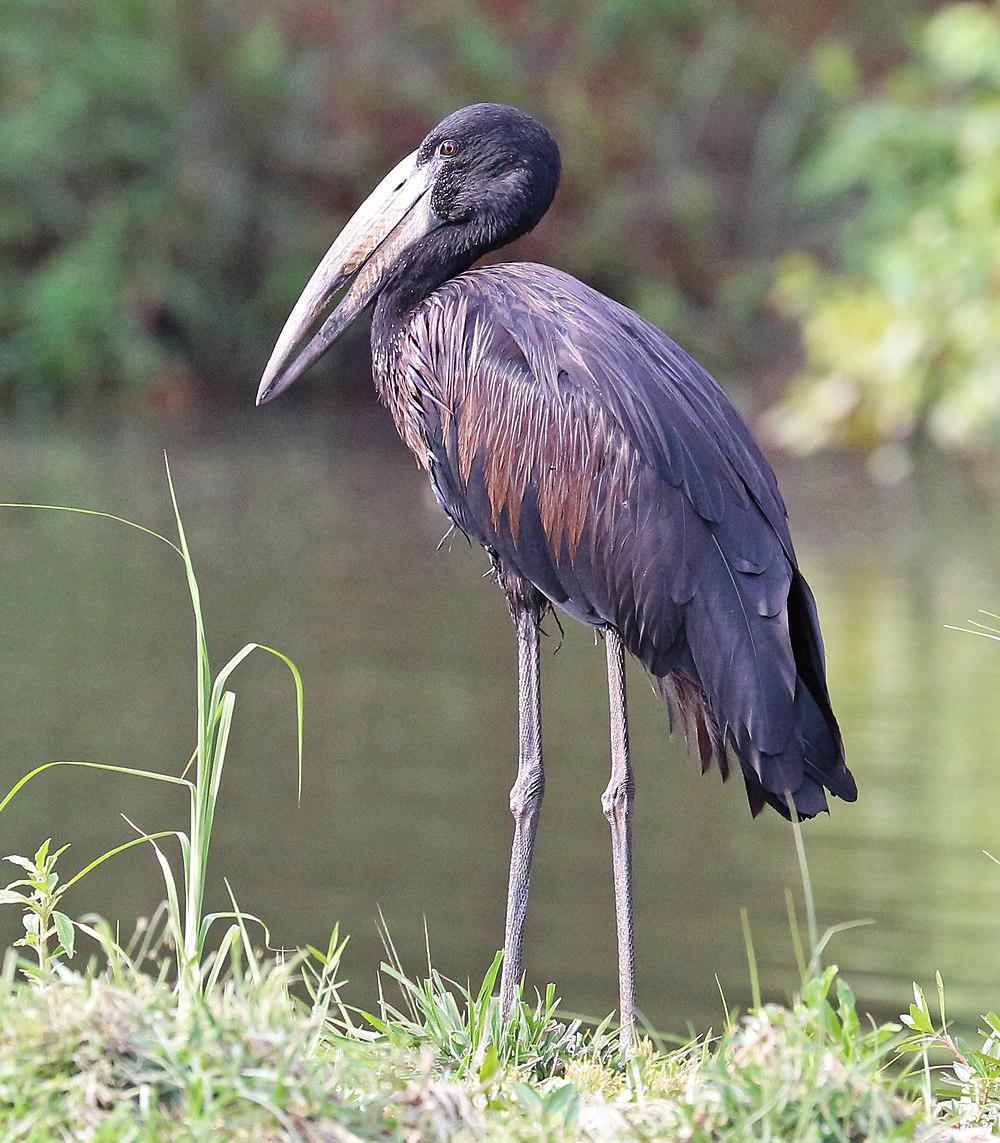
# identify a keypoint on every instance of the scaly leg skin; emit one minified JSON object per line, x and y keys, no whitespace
{"x":617,"y":804}
{"x":525,"y":800}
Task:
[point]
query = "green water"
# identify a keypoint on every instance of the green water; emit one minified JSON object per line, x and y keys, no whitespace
{"x":320,"y":537}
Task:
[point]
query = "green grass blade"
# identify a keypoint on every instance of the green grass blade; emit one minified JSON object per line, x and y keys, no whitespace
{"x":252,"y":961}
{"x":226,"y":709}
{"x":812,"y":928}
{"x":103,"y":940}
{"x":223,"y":677}
{"x":174,"y":916}
{"x":212,"y":980}
{"x":146,"y":837}
{"x":751,"y":959}
{"x":209,"y":920}
{"x":204,"y":669}
{"x":173,"y":901}
{"x":100,"y":516}
{"x":490,"y":979}
{"x":151,"y":774}
{"x":796,"y":935}
{"x":185,"y":842}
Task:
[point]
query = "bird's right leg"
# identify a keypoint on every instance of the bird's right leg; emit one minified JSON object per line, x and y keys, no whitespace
{"x":617,"y":803}
{"x":525,"y":797}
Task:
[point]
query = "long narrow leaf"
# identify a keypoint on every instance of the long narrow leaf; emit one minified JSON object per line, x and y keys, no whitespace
{"x":211,"y":782}
{"x":190,"y":762}
{"x":226,"y":709}
{"x":223,"y":677}
{"x":173,"y":904}
{"x":222,"y":952}
{"x":152,"y":774}
{"x":175,"y":920}
{"x":209,"y":920}
{"x":146,"y":837}
{"x":204,"y":669}
{"x":100,"y":516}
{"x":104,"y":940}
{"x":185,"y":843}
{"x":251,"y":955}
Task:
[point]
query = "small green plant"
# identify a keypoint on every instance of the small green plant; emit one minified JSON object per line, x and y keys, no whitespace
{"x":39,"y":892}
{"x":467,"y":1033}
{"x":321,"y":981}
{"x":188,"y":922}
{"x":971,"y":1074}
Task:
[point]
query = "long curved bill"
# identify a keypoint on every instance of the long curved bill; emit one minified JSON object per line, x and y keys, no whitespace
{"x":391,"y":219}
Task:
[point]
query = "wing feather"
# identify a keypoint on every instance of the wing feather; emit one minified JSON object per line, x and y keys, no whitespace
{"x":593,"y":457}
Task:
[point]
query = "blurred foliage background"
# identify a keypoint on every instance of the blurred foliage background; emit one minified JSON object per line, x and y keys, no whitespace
{"x":806,"y":195}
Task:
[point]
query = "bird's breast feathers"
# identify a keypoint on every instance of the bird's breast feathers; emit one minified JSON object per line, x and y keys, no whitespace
{"x":466,"y":390}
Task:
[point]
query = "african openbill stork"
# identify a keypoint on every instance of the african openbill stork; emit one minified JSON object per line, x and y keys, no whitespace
{"x":602,"y":469}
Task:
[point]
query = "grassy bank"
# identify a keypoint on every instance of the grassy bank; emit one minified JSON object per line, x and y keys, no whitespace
{"x":273,"y":1051}
{"x":194,"y":1029}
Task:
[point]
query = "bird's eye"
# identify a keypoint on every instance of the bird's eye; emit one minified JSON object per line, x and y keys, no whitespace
{"x":448,"y":149}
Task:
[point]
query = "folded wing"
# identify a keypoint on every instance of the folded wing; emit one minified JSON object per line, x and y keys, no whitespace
{"x":590,"y":454}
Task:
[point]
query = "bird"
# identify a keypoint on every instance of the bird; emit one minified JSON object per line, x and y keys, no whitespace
{"x":605,"y":473}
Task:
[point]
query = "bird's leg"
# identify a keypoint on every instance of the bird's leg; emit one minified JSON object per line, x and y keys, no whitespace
{"x":525,"y":799}
{"x":617,"y":803}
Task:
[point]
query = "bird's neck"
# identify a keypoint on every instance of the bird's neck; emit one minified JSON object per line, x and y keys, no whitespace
{"x":442,"y":255}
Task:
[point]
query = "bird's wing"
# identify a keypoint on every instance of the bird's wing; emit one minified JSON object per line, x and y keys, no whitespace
{"x":589,"y":452}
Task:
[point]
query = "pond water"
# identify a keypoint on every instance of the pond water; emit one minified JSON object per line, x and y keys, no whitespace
{"x":317,"y":535}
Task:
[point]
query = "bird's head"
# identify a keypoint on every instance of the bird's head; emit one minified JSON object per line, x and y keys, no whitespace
{"x":483,"y":177}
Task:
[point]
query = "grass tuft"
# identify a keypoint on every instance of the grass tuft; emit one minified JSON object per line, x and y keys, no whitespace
{"x":274,"y":1052}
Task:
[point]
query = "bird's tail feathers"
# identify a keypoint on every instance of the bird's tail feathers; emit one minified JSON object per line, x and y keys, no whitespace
{"x":812,"y":762}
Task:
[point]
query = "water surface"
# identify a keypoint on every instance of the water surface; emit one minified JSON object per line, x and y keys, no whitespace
{"x":318,"y":535}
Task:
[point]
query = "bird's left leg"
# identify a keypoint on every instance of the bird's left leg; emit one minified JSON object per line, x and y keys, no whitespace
{"x":617,"y":804}
{"x":525,"y":796}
